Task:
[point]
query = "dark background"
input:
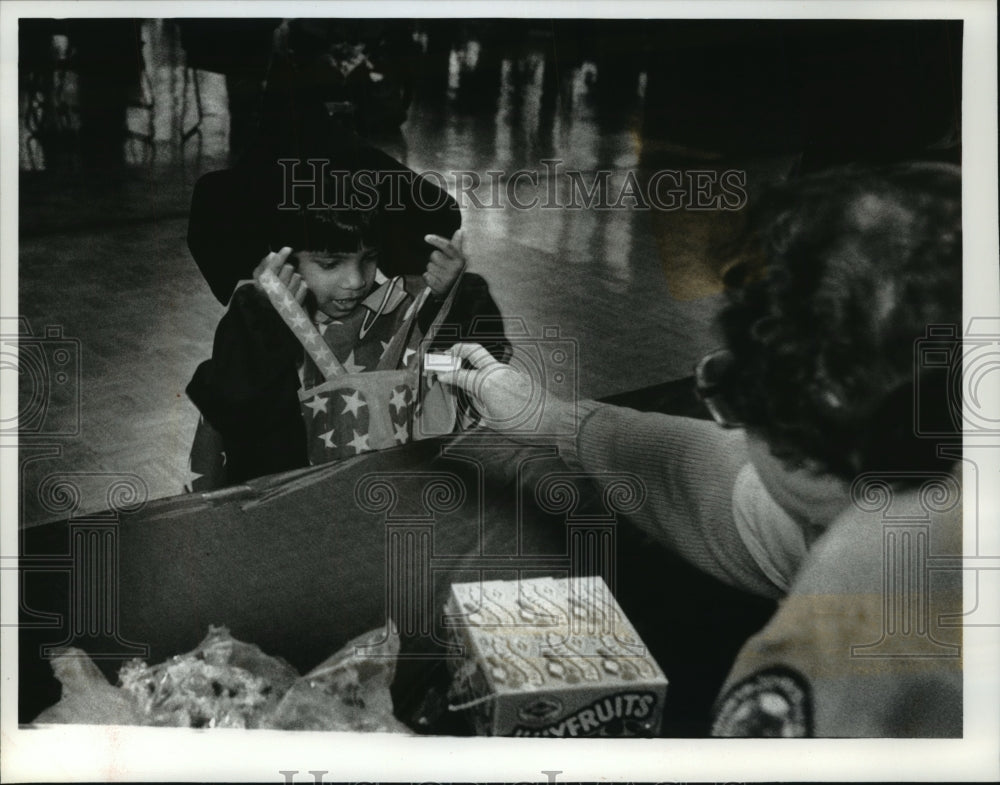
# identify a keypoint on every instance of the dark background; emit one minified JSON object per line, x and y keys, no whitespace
{"x":119,"y":118}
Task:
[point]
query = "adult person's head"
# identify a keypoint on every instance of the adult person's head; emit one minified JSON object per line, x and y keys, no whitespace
{"x":844,"y":273}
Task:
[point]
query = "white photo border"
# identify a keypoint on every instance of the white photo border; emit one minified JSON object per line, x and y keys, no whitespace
{"x":128,"y":754}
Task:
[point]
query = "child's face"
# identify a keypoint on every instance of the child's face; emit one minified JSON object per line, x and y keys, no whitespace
{"x":338,"y":281}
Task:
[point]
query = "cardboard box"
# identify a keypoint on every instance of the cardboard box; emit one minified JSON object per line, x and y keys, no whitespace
{"x":551,"y":657}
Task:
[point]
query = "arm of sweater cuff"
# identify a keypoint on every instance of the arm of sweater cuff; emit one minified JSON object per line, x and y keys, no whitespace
{"x":570,"y":421}
{"x":687,"y":468}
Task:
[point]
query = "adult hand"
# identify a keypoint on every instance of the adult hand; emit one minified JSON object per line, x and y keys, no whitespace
{"x":508,"y":399}
{"x":277,"y":265}
{"x":447,"y":262}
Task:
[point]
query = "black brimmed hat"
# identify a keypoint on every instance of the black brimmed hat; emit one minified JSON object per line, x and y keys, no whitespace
{"x":269,"y":200}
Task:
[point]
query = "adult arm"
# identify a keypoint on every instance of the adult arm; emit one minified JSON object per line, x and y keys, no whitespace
{"x":687,"y":467}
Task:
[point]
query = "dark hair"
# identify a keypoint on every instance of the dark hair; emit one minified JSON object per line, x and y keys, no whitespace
{"x":329,"y":230}
{"x":842,"y":275}
{"x":340,"y":226}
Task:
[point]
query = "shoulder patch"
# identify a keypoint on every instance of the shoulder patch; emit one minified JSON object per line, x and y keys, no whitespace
{"x":772,"y":703}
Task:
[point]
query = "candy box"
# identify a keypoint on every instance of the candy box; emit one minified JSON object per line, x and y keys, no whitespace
{"x":551,"y":657}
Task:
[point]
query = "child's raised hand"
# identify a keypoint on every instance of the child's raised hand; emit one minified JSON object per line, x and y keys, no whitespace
{"x":277,"y":264}
{"x":446,"y":263}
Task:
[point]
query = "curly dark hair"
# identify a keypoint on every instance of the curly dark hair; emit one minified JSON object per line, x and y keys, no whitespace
{"x":842,"y":273}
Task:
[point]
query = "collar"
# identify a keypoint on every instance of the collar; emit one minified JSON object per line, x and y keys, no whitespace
{"x":812,"y":498}
{"x":393,"y":287}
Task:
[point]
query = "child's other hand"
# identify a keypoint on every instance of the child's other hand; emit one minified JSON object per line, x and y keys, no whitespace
{"x":446,"y":262}
{"x":277,"y":264}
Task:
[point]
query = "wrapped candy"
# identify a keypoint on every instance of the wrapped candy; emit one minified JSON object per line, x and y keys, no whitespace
{"x":349,"y":691}
{"x":86,"y":695}
{"x":225,"y":683}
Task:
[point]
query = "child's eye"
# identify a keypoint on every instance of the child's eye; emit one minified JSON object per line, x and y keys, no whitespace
{"x":329,"y":262}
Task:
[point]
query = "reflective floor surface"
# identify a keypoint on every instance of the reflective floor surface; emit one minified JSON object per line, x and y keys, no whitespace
{"x":103,"y":256}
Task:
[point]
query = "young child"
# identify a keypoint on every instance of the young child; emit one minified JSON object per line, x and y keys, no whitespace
{"x":331,"y":300}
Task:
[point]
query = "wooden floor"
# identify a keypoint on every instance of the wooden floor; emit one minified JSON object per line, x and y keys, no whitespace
{"x":634,"y":291}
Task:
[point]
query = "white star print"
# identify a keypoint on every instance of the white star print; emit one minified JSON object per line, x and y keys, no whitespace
{"x":311,"y":339}
{"x":400,"y":434}
{"x":350,"y":365}
{"x":407,"y":354}
{"x":317,"y":404}
{"x":328,"y":439}
{"x":299,"y":321}
{"x":330,"y":369}
{"x":288,"y":302}
{"x":271,"y":283}
{"x":398,"y":400}
{"x":353,"y":402}
{"x":359,"y":443}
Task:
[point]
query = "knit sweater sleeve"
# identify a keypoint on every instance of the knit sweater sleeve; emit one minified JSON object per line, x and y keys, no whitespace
{"x":688,"y":469}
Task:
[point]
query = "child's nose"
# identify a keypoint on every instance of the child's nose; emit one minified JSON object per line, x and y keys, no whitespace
{"x":354,"y":275}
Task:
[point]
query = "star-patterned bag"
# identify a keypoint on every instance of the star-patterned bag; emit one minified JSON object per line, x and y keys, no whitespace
{"x":349,"y":411}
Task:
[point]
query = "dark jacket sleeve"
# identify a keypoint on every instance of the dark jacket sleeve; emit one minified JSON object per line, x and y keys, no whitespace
{"x":474,"y":317}
{"x":248,"y":390}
